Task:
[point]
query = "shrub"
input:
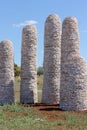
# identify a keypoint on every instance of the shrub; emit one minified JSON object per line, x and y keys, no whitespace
{"x":17,"y":70}
{"x":40,"y":71}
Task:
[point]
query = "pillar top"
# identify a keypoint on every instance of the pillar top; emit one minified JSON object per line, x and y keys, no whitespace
{"x":70,"y":22}
{"x":29,"y":27}
{"x":6,"y":42}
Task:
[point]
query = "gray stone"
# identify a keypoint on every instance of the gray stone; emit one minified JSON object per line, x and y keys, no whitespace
{"x":6,"y":72}
{"x":28,"y":89}
{"x":52,"y":53}
{"x":73,"y":85}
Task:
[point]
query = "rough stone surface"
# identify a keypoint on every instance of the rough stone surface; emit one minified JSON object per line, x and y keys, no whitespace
{"x":28,"y":89}
{"x":6,"y":72}
{"x":52,"y":53}
{"x":73,"y":86}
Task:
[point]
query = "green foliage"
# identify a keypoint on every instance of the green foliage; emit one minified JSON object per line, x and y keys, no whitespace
{"x":17,"y":70}
{"x":40,"y":71}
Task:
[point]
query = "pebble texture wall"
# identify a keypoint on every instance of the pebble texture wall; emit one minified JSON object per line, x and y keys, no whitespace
{"x":73,"y":87}
{"x":6,"y":72}
{"x":28,"y":89}
{"x":52,"y":53}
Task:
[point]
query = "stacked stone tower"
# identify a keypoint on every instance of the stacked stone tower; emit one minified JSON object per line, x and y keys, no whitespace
{"x":73,"y":87}
{"x":28,"y":89}
{"x":52,"y":53}
{"x":6,"y":72}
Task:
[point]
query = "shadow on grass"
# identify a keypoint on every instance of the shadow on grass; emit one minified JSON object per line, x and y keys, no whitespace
{"x":44,"y":107}
{"x":50,"y":109}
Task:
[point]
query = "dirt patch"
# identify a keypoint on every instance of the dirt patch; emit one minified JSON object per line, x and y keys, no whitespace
{"x":52,"y":112}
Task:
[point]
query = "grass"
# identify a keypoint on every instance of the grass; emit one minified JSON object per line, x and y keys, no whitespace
{"x":40,"y":82}
{"x":17,"y":89}
{"x":22,"y":117}
{"x":74,"y":121}
{"x":18,"y":117}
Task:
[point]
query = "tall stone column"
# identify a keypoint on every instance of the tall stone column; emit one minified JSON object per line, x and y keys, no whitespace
{"x":6,"y":72}
{"x":28,"y":89}
{"x":73,"y":86}
{"x":52,"y":54}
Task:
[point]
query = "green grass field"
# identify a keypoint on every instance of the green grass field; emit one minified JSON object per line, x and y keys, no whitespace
{"x":28,"y":117}
{"x":17,"y":117}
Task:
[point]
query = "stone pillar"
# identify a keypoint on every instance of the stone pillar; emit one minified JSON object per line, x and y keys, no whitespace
{"x":73,"y":85}
{"x":6,"y":72}
{"x":52,"y":53}
{"x":28,"y":89}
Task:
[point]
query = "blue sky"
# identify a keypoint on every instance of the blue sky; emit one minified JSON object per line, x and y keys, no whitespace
{"x":14,"y":14}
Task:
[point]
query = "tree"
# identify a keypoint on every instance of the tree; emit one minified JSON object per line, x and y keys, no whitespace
{"x":40,"y":71}
{"x":17,"y":70}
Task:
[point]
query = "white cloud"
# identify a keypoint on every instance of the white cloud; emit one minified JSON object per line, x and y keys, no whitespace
{"x":27,"y":22}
